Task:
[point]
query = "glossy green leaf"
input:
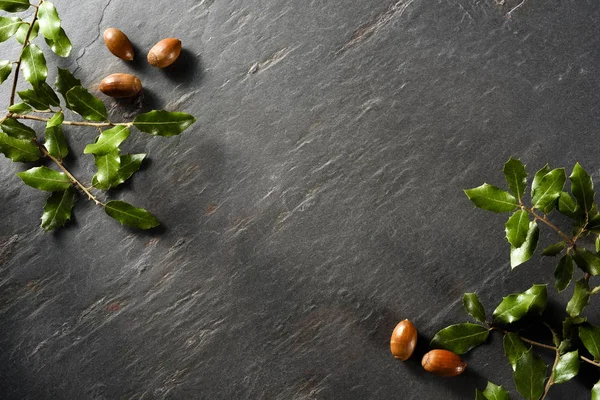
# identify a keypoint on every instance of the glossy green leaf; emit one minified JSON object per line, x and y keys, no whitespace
{"x":495,"y":392}
{"x":519,"y":255}
{"x":548,"y":189}
{"x":130,"y":164}
{"x":590,"y":337}
{"x":20,"y":108}
{"x":530,"y":375}
{"x":479,"y":395}
{"x":56,"y":144}
{"x":44,"y":178}
{"x":163,"y":123}
{"x":17,"y":130}
{"x":564,"y":346}
{"x":46,"y":94}
{"x":86,"y":105}
{"x":108,"y":171}
{"x":597,"y":244}
{"x":129,"y":215}
{"x":587,"y":261}
{"x":8,"y":27}
{"x":474,"y":307}
{"x":554,"y":249}
{"x":30,"y":97}
{"x":514,"y":348}
{"x":460,"y":338}
{"x":33,"y":64}
{"x":49,"y":20}
{"x":61,"y":46}
{"x":580,"y":299}
{"x":516,"y":228}
{"x":516,"y":177}
{"x":24,"y":28}
{"x":596,"y":391}
{"x":582,"y":187}
{"x":108,"y":141}
{"x":19,"y":150}
{"x":516,"y":306}
{"x":57,"y":210}
{"x":65,"y":81}
{"x":14,"y":5}
{"x":567,"y":206}
{"x":563,"y":272}
{"x":594,"y":224}
{"x":538,"y":177}
{"x":491,"y":198}
{"x":5,"y":70}
{"x":570,"y":327}
{"x":566,"y":368}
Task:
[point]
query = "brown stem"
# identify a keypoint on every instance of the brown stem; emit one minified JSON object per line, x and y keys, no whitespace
{"x":551,"y":379}
{"x":550,"y":224}
{"x":74,"y":123}
{"x":25,"y":43}
{"x":71,"y":177}
{"x":587,"y":360}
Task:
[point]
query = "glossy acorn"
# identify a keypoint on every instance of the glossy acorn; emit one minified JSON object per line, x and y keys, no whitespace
{"x":118,"y":43}
{"x":164,"y":53}
{"x":443,"y":363}
{"x":404,"y":340}
{"x":120,"y":85}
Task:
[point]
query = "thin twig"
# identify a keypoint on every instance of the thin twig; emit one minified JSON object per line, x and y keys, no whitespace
{"x":551,"y":379}
{"x":587,"y":360}
{"x":550,"y":224}
{"x":74,"y":123}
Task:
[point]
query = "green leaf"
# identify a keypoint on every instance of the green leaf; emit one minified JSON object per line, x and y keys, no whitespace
{"x":567,"y":206}
{"x":495,"y":392}
{"x":46,"y":94}
{"x":49,"y":20}
{"x":108,"y":141}
{"x":538,"y":177}
{"x":163,"y":123}
{"x":529,"y":375}
{"x":582,"y":187}
{"x":83,"y":103}
{"x":519,"y":255}
{"x":554,"y":249}
{"x":14,"y":5}
{"x":491,"y":198}
{"x":516,"y":228}
{"x":460,"y":338}
{"x":566,"y":368}
{"x":19,"y":150}
{"x":549,"y":189}
{"x":57,"y":210}
{"x":563,"y":273}
{"x":516,"y":177}
{"x":65,"y":81}
{"x":20,"y":108}
{"x":108,"y":171}
{"x":5,"y":70}
{"x":570,"y":327}
{"x":597,"y":244}
{"x":129,"y":215}
{"x":44,"y":178}
{"x":517,"y":305}
{"x":30,"y":97}
{"x":514,"y":348}
{"x":17,"y":130}
{"x":479,"y":395}
{"x":56,"y":144}
{"x":8,"y":27}
{"x":594,"y":224}
{"x":564,"y":346}
{"x":130,"y":164}
{"x":590,"y":337}
{"x":24,"y":28}
{"x":61,"y":45}
{"x":587,"y":261}
{"x":474,"y":307}
{"x":580,"y":299}
{"x":596,"y":391}
{"x":33,"y":64}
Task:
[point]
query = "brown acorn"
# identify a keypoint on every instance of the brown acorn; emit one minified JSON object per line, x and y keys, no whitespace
{"x":120,"y":85}
{"x":443,"y":363}
{"x":164,"y":53}
{"x":118,"y":43}
{"x":404,"y":340}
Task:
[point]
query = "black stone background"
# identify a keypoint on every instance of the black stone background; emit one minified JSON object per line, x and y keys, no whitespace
{"x":316,"y":202}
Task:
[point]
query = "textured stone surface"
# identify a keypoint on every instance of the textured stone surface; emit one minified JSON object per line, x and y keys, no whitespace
{"x":316,"y":202}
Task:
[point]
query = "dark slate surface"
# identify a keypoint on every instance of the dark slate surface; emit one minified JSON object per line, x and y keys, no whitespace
{"x":316,"y":202}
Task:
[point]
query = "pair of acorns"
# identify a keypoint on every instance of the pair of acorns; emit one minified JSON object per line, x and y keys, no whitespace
{"x":439,"y":362}
{"x":163,"y":54}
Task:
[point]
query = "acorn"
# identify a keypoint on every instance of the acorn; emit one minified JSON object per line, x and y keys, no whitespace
{"x":443,"y":363}
{"x":404,"y":340}
{"x":164,"y":53}
{"x":120,"y":85}
{"x":118,"y":43}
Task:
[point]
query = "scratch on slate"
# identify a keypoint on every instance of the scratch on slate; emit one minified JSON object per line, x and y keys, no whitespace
{"x":82,"y":52}
{"x":271,"y":61}
{"x":365,"y":31}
